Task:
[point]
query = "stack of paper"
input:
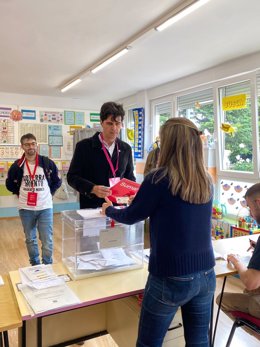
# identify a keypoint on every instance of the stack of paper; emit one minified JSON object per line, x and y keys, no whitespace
{"x":44,"y":290}
{"x":40,"y":276}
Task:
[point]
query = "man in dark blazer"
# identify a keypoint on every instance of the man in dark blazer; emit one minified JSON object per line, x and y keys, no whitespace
{"x":101,"y":160}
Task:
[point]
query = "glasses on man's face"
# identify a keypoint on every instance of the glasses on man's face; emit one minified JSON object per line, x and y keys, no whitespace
{"x":29,"y":144}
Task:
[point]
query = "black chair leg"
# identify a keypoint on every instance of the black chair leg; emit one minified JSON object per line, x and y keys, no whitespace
{"x":232,"y":332}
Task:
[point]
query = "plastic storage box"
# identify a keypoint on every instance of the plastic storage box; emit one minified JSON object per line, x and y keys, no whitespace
{"x":96,"y":245}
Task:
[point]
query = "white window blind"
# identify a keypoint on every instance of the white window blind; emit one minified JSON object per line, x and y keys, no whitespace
{"x":189,"y":101}
{"x":165,"y":108}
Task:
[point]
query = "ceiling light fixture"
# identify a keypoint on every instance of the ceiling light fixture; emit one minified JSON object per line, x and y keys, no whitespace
{"x":71,"y":84}
{"x":110,"y":60}
{"x":181,"y":14}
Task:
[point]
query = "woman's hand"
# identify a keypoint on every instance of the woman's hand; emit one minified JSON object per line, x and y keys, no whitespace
{"x":106,"y":205}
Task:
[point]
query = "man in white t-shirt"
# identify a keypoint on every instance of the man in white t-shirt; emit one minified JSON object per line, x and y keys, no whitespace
{"x":34,"y":179}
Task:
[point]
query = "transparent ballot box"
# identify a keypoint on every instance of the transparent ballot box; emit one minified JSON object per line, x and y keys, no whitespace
{"x":94,"y":245}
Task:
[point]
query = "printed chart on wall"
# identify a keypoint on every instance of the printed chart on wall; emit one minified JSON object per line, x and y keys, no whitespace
{"x":6,"y":131}
{"x":138,"y":114}
{"x":38,"y":130}
{"x":10,"y":152}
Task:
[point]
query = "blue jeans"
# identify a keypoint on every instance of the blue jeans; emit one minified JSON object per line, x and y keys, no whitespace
{"x":43,"y":220}
{"x":162,"y":298}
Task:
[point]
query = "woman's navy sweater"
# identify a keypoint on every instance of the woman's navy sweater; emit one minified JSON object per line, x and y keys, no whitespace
{"x":180,"y":232}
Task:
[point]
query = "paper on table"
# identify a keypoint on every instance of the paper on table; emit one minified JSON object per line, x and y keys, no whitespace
{"x":38,"y":273}
{"x":50,"y":298}
{"x":219,"y":256}
{"x":91,"y":213}
{"x":40,"y":276}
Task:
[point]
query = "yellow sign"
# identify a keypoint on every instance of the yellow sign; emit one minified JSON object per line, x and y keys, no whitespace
{"x":234,"y":102}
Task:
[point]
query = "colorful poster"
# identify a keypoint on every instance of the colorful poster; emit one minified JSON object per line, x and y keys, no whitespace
{"x":69,"y":117}
{"x":55,"y":140}
{"x":55,"y":130}
{"x":29,"y":114}
{"x":55,"y":152}
{"x":94,"y":117}
{"x":44,"y":149}
{"x":79,"y":118}
{"x":5,"y":112}
{"x":138,"y":114}
{"x":6,"y":131}
{"x":51,"y":117}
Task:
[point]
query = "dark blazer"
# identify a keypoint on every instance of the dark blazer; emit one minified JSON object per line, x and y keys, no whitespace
{"x":89,"y":167}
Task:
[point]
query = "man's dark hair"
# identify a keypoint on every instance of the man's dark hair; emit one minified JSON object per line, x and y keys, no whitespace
{"x":253,"y":192}
{"x":111,"y":109}
{"x":28,"y":136}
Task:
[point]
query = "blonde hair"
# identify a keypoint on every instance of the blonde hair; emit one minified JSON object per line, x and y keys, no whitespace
{"x":152,"y":161}
{"x":181,"y":159}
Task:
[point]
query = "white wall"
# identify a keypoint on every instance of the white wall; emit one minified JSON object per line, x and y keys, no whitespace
{"x":44,"y":101}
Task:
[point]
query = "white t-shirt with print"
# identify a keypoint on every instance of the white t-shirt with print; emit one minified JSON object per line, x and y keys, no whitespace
{"x":40,"y":186}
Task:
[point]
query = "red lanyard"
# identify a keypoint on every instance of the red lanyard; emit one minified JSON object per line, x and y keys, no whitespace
{"x":32,"y":175}
{"x":114,"y":170}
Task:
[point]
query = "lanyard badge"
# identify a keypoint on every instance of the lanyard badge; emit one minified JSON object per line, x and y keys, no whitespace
{"x":114,"y":179}
{"x":32,"y":196}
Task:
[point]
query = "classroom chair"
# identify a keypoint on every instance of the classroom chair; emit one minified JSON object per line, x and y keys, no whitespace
{"x":244,"y":319}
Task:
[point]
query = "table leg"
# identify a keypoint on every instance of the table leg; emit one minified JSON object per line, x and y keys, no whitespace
{"x":220,"y":301}
{"x":39,"y":332}
{"x":1,"y":339}
{"x":24,"y":334}
{"x":6,"y":340}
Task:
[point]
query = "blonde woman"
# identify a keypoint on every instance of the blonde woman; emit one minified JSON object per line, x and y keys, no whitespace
{"x":178,"y":199}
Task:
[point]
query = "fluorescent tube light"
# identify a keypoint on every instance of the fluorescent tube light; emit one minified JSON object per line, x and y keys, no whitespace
{"x":110,"y":60}
{"x":71,"y":84}
{"x":181,"y":14}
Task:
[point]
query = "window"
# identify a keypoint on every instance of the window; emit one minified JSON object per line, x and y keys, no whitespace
{"x":162,"y":113}
{"x":236,"y":124}
{"x":198,"y":107}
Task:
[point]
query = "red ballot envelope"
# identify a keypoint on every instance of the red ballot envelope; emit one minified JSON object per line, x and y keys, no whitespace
{"x":122,"y":190}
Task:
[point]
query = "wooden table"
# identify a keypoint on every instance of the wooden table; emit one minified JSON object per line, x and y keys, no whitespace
{"x":85,"y":320}
{"x":98,"y":296}
{"x":10,"y":317}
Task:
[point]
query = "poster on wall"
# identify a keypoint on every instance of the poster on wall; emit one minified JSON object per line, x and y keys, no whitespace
{"x":29,"y":114}
{"x":79,"y":118}
{"x":55,"y":140}
{"x":44,"y":149}
{"x":5,"y":112}
{"x":138,"y":114}
{"x":69,"y":117}
{"x":6,"y":131}
{"x":55,"y":130}
{"x":10,"y":152}
{"x":55,"y":152}
{"x":94,"y":117}
{"x":38,"y":130}
{"x":51,"y":117}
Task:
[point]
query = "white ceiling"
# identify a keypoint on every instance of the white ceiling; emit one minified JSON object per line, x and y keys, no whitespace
{"x":46,"y":43}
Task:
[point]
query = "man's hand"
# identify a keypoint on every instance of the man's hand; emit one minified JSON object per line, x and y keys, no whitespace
{"x":252,"y":245}
{"x":105,"y":206}
{"x":101,"y":191}
{"x":233,"y":259}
